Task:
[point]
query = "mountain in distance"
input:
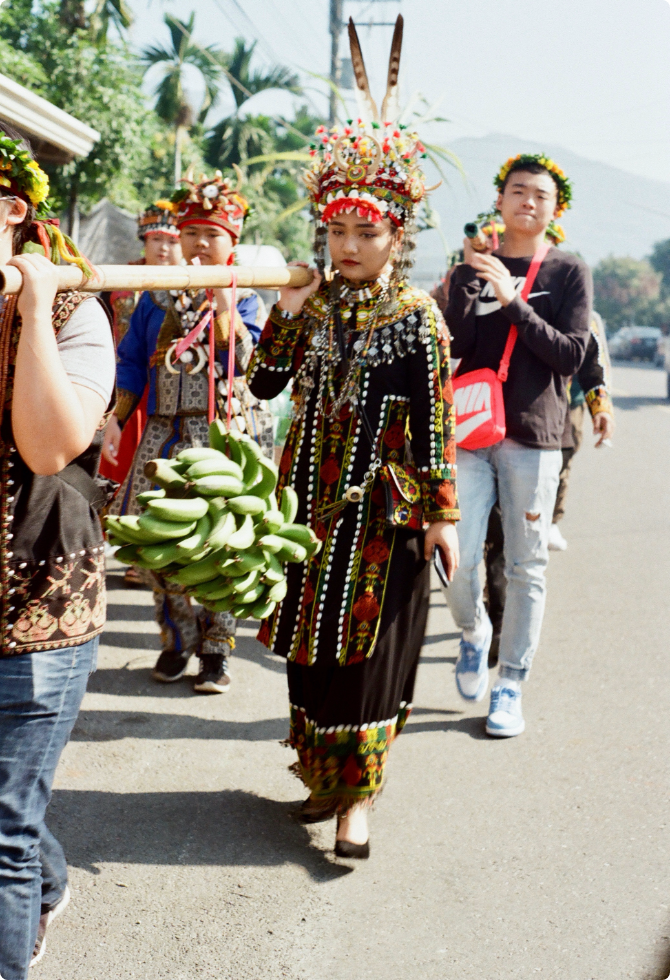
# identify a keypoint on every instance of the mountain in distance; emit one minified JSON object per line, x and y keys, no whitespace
{"x":613,"y":212}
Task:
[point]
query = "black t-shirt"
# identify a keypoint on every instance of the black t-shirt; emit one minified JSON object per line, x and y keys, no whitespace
{"x":553,"y":333}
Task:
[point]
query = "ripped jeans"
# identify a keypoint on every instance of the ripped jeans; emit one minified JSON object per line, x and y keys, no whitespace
{"x":525,"y":482}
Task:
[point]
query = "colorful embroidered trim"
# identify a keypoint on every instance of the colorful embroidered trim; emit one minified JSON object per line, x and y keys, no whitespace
{"x":343,"y":764}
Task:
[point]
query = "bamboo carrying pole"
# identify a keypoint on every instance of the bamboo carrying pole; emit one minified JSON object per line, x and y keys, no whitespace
{"x":137,"y":277}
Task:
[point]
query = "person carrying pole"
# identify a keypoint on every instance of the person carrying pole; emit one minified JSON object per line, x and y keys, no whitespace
{"x":158,"y":232}
{"x":56,"y":384}
{"x":370,"y":454}
{"x":209,"y":216}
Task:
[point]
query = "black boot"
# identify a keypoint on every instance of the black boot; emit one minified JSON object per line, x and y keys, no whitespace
{"x":213,"y":677}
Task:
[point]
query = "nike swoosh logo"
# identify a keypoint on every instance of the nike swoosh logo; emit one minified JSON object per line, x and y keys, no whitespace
{"x":464,"y":429}
{"x":483,"y":308}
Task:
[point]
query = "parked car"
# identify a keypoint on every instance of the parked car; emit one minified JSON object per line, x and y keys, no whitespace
{"x":635,"y":343}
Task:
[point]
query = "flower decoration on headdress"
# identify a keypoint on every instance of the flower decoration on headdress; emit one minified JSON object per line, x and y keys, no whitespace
{"x":563,"y":185}
{"x":158,"y":217}
{"x":489,"y":226}
{"x":371,"y":165}
{"x":22,"y":175}
{"x":212,"y":201}
{"x":488,"y":220}
{"x":372,"y":169}
{"x":555,"y":233}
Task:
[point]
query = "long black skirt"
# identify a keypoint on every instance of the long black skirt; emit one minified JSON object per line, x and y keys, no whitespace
{"x":344,"y":718}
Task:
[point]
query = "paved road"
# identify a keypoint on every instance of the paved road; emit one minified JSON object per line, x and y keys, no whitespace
{"x":545,"y":855}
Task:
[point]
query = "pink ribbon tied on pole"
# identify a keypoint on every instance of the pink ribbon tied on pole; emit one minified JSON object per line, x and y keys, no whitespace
{"x":192,"y":336}
{"x":231,"y":346}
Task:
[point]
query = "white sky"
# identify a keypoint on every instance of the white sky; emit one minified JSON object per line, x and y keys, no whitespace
{"x":590,"y":75}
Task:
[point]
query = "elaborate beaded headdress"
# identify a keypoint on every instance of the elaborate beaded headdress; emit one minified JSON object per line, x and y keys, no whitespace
{"x":371,"y":165}
{"x":157,"y":218}
{"x":212,"y":201}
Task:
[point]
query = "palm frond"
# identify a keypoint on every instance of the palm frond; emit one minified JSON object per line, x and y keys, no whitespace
{"x":294,"y":208}
{"x":156,"y":55}
{"x":278,"y":77}
{"x":276,"y":157}
{"x":436,"y":153}
{"x":180,"y":33}
{"x":331,"y":85}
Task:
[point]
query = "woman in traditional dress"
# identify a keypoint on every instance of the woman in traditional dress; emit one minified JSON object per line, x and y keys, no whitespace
{"x":209,"y":216}
{"x":371,"y":455}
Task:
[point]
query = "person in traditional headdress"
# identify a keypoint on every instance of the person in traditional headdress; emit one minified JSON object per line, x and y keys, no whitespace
{"x":158,"y":232}
{"x":56,"y":385}
{"x":371,"y":456}
{"x":209,"y":216}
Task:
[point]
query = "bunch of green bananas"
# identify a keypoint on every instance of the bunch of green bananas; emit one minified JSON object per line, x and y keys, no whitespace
{"x":215,"y":526}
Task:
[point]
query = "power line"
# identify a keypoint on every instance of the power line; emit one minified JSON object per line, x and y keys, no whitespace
{"x":268,"y":50}
{"x":234,"y":81}
{"x":254,"y":30}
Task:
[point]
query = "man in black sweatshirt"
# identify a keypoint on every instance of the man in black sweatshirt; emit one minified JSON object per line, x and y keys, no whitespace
{"x":522,"y":470}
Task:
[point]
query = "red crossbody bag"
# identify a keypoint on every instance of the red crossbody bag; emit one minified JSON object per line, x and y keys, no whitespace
{"x":478,"y":395}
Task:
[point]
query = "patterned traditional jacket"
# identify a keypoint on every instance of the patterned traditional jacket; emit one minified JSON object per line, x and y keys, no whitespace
{"x":158,"y":321}
{"x":52,"y":561}
{"x":405,"y":391}
{"x":593,"y":382}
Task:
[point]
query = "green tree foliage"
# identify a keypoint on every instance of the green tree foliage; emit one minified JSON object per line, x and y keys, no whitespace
{"x":242,"y":135}
{"x":628,"y":291}
{"x":172,"y":105}
{"x":276,"y":190}
{"x":99,"y":82}
{"x":64,"y":51}
{"x":660,"y":261}
{"x":74,"y":16}
{"x":274,"y":187}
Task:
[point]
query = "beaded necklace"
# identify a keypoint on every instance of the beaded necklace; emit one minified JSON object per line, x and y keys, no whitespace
{"x":350,"y":388}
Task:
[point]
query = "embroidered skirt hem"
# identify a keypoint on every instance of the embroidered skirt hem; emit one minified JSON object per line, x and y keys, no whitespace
{"x":343,"y":719}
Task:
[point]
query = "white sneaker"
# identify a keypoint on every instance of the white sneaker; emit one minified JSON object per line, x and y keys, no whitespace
{"x":45,"y":922}
{"x":472,"y":667}
{"x":556,"y":541}
{"x":505,"y":719}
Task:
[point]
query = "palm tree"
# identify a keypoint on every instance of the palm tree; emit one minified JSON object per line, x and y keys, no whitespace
{"x":171,"y":104}
{"x":237,"y":137}
{"x":108,"y":12}
{"x":73,"y":14}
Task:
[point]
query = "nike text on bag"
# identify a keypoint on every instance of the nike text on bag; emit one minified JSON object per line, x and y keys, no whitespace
{"x":478,"y":395}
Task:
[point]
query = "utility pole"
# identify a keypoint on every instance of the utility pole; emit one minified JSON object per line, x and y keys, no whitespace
{"x":335,"y":63}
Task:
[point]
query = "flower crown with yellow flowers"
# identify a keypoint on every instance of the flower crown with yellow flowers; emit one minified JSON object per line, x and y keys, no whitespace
{"x":22,"y":175}
{"x":562,"y":182}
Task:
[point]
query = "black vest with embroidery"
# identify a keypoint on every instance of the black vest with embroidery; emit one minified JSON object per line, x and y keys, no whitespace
{"x":52,"y":560}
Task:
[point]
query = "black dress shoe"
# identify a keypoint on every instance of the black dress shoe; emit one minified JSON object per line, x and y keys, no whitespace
{"x":345,"y":849}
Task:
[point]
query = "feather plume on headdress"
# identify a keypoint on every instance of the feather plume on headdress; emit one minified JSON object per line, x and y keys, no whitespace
{"x":391,"y":103}
{"x":372,"y":165}
{"x":367,"y":106}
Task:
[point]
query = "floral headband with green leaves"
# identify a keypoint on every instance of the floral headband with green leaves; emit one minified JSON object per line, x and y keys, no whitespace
{"x":22,"y":175}
{"x":563,"y":185}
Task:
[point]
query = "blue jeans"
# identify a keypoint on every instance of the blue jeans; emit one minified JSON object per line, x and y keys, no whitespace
{"x":525,"y":482}
{"x":40,"y":695}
